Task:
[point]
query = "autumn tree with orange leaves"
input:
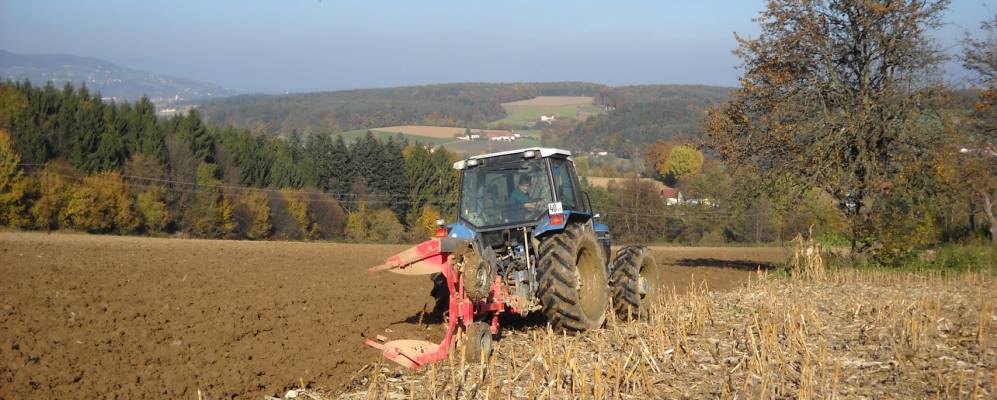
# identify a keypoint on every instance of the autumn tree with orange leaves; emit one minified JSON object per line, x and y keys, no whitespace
{"x":837,"y":95}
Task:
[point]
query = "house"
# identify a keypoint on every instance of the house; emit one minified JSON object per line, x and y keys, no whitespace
{"x":672,"y":196}
{"x":706,"y":202}
{"x":978,"y":152}
{"x":547,"y":118}
{"x":472,"y":136}
{"x":499,"y":135}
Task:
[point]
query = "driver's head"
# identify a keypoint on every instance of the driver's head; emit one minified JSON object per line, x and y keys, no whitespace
{"x":524,"y":183}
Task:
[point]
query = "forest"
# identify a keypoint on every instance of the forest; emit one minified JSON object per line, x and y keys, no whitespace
{"x":73,"y":161}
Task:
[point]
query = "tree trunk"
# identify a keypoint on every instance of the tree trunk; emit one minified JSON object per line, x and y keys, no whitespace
{"x":988,"y":208}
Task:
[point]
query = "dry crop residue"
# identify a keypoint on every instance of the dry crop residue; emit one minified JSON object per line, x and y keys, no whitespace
{"x":847,"y":335}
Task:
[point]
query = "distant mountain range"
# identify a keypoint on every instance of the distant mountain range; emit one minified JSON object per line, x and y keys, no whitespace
{"x":111,"y":80}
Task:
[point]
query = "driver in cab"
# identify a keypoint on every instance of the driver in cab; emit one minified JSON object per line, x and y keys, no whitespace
{"x":520,"y":194}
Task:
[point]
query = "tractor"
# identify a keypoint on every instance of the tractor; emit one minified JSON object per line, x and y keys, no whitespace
{"x":525,"y":240}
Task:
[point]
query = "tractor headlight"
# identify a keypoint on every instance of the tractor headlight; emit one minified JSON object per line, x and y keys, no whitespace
{"x":529,"y":154}
{"x":473,"y":163}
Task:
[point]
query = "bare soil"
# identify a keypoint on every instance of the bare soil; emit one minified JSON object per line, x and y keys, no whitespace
{"x":85,"y":316}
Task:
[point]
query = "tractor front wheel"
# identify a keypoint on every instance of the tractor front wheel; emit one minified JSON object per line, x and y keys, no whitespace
{"x":477,"y":275}
{"x":477,"y":342}
{"x":635,"y":282}
{"x":573,"y":282}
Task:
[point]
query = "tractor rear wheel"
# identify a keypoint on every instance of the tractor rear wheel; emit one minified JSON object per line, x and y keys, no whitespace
{"x":573,"y":282}
{"x":635,"y":282}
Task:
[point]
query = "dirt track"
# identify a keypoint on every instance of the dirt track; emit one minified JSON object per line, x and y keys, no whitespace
{"x":97,"y":316}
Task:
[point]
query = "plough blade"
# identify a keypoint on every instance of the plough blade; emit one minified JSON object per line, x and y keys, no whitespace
{"x":422,"y":259}
{"x":408,"y":353}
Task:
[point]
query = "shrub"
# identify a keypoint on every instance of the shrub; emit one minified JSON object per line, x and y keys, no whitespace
{"x":102,"y":204}
{"x":328,"y":219}
{"x":13,"y":188}
{"x":297,"y":209}
{"x":211,"y":213}
{"x":385,"y":227}
{"x":252,"y":216}
{"x":425,"y":225}
{"x":151,"y":207}
{"x":357,"y":225}
{"x":374,"y":225}
{"x":54,"y":186}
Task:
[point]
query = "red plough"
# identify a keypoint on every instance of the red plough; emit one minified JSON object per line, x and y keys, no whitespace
{"x":439,"y":255}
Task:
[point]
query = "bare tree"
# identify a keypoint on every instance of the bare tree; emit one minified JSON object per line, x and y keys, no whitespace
{"x":837,"y":95}
{"x":980,"y":152}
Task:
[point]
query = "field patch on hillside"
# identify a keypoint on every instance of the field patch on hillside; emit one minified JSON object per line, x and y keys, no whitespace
{"x":350,"y":136}
{"x":440,"y":132}
{"x":552,"y":101}
{"x":604,"y":182}
{"x":519,"y":113}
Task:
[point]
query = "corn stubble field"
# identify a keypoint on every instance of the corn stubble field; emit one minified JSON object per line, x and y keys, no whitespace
{"x":812,"y":335}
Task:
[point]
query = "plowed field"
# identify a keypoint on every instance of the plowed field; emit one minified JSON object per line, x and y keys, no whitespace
{"x":101,"y":316}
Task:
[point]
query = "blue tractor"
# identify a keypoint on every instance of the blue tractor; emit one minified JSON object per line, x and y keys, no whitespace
{"x":525,"y":240}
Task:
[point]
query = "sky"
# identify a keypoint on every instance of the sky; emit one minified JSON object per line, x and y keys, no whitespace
{"x":311,"y":45}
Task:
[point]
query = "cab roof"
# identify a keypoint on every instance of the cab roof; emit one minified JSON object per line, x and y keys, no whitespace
{"x":544,"y":153}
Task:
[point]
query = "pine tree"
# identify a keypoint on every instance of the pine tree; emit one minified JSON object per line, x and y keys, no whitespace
{"x":391,"y":178}
{"x":88,"y":121}
{"x":284,"y":173}
{"x":193,"y":131}
{"x":421,"y":176}
{"x":65,"y":122}
{"x":149,"y":137}
{"x":366,"y":157}
{"x":317,"y":162}
{"x":111,"y":152}
{"x":340,"y":177}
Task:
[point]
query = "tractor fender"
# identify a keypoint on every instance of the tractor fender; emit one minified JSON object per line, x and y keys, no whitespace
{"x":569,"y":217}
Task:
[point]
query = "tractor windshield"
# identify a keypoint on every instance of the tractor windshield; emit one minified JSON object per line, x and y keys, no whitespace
{"x":505,"y":191}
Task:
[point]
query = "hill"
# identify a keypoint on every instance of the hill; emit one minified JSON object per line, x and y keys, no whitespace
{"x":641,"y":115}
{"x":110,"y":79}
{"x":638,"y":114}
{"x":456,"y":104}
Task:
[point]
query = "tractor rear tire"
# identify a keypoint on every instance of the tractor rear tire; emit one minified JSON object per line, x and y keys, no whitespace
{"x":574,"y":289}
{"x":635,"y":282}
{"x":478,"y":342}
{"x":477,"y":275}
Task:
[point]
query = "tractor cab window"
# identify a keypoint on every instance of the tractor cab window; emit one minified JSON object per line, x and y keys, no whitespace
{"x":565,"y":182}
{"x":504,"y":191}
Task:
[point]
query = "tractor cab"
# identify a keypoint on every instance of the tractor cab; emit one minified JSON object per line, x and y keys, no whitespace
{"x":529,"y":187}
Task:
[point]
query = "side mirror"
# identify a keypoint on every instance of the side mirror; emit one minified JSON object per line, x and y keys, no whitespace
{"x":588,"y":202}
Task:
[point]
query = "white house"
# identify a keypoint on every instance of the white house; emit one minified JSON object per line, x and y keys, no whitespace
{"x":547,"y":118}
{"x":500,"y":135}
